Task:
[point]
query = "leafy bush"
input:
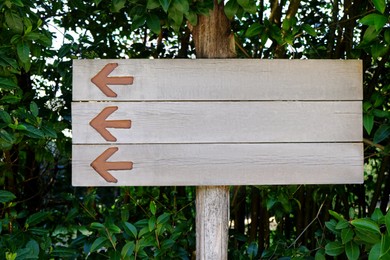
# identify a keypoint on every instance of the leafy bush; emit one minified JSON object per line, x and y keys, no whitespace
{"x":360,"y":236}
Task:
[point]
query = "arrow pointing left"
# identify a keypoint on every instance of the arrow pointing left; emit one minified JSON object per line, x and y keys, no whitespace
{"x":100,"y":124}
{"x":102,"y":80}
{"x":101,"y":166}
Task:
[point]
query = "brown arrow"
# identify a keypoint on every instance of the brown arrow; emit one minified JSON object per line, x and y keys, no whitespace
{"x":100,"y":124}
{"x":102,"y":80}
{"x":101,"y":166}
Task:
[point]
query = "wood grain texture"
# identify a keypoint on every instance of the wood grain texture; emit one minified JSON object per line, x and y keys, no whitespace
{"x":224,"y":164}
{"x":224,"y":79}
{"x":210,"y":122}
{"x":212,"y":222}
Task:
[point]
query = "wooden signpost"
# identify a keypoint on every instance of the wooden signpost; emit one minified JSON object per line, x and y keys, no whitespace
{"x":216,"y":123}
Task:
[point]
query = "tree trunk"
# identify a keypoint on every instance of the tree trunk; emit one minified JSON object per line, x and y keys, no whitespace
{"x":212,"y":36}
{"x":213,"y":39}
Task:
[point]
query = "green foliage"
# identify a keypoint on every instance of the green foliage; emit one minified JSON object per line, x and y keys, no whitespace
{"x":368,"y":236}
{"x":43,"y":217}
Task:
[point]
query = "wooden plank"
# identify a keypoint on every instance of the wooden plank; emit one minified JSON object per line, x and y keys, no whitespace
{"x":210,"y":122}
{"x":223,"y":164}
{"x":227,"y":79}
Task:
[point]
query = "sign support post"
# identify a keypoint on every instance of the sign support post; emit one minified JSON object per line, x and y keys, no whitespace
{"x":213,"y":39}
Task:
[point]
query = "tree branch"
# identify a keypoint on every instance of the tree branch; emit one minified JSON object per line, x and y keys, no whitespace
{"x":293,"y":8}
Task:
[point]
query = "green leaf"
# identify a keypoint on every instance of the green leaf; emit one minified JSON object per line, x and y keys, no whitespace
{"x":117,"y":5}
{"x":98,"y":243}
{"x":14,"y":21}
{"x":6,"y":196}
{"x":382,"y":133}
{"x":192,"y":18}
{"x":130,"y":229}
{"x":138,"y":21}
{"x":368,"y":122}
{"x":342,"y":224}
{"x":5,"y":117}
{"x":336,"y":215}
{"x":387,"y":221}
{"x":34,"y":108}
{"x":143,"y":231}
{"x":34,"y":248}
{"x":254,"y":29}
{"x":18,"y":3}
{"x":36,"y":218}
{"x":352,"y":250}
{"x":375,"y":252}
{"x":25,"y":253}
{"x":33,"y":132}
{"x":366,"y":225}
{"x":152,"y":4}
{"x":164,"y":218}
{"x":378,"y":49}
{"x":96,"y":225}
{"x":152,"y":207}
{"x":5,"y":61}
{"x":377,"y":216}
{"x":346,"y":235}
{"x":310,"y":30}
{"x":351,"y":213}
{"x":7,"y":137}
{"x":385,"y":247}
{"x":334,"y":248}
{"x":243,"y":3}
{"x":8,"y":84}
{"x":252,"y":250}
{"x":128,"y":249}
{"x":370,"y":34}
{"x":181,"y":5}
{"x":114,"y":228}
{"x":23,"y":51}
{"x":176,"y":17}
{"x":165,"y":4}
{"x":331,"y":225}
{"x":387,"y":35}
{"x":45,"y":40}
{"x":366,"y":237}
{"x":152,"y":223}
{"x":49,"y":132}
{"x":377,"y":20}
{"x":153,"y":22}
{"x":380,"y":5}
{"x":231,"y":9}
{"x":64,"y":252}
{"x":10,"y":256}
{"x":10,"y":99}
{"x":167,"y":244}
{"x":320,"y":255}
{"x":381,"y":113}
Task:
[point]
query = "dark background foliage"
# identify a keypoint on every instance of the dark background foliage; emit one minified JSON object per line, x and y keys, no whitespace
{"x":42,"y":216}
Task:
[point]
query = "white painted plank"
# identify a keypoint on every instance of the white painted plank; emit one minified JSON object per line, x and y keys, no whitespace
{"x":224,"y":164}
{"x":211,"y":122}
{"x":224,"y":79}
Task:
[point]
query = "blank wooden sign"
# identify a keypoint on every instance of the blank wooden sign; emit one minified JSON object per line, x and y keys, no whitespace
{"x":216,"y":122}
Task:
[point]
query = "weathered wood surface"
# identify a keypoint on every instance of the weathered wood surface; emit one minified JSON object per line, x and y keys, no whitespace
{"x":218,"y":122}
{"x":226,"y":122}
{"x":212,"y":222}
{"x":224,"y":79}
{"x":224,"y":164}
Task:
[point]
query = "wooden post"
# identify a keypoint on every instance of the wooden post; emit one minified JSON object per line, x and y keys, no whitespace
{"x":213,"y":39}
{"x":212,"y":222}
